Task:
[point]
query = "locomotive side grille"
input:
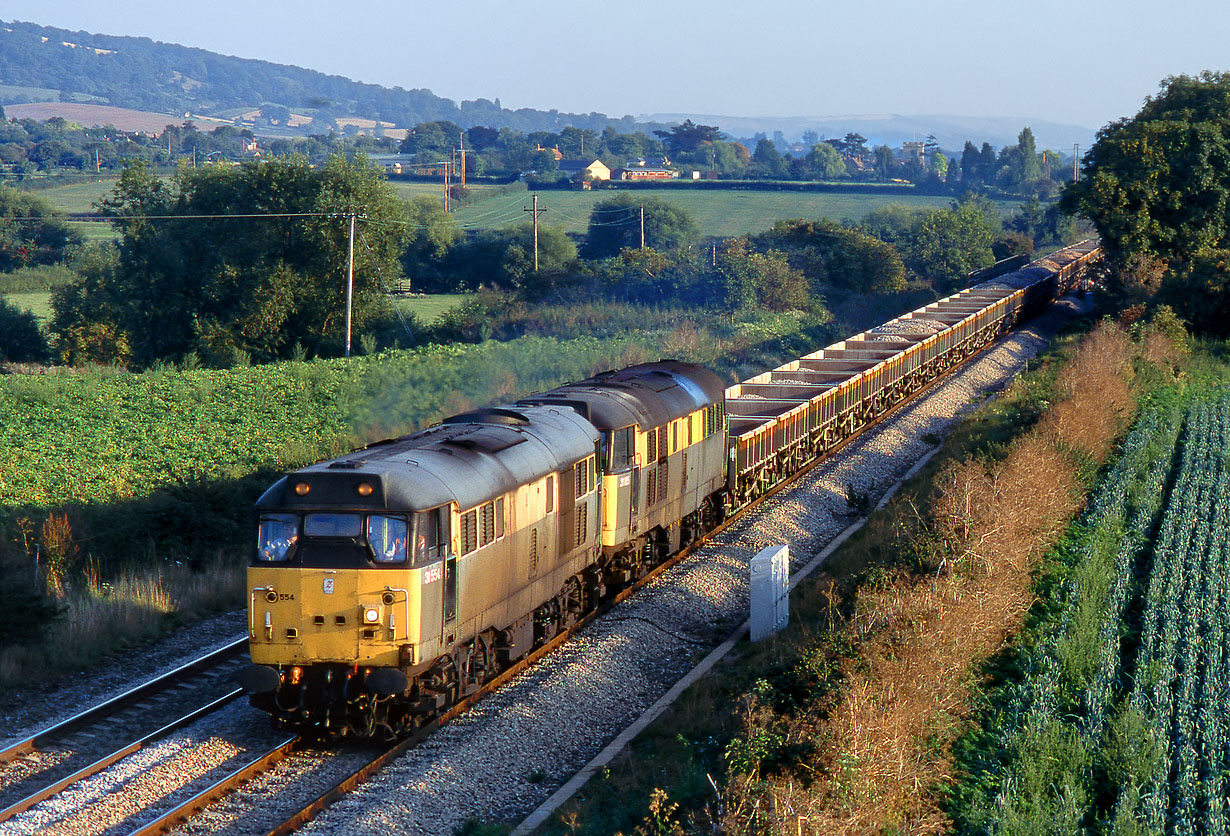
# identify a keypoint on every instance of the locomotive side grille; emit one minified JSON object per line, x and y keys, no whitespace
{"x":664,"y":478}
{"x":683,"y":486}
{"x":651,"y":441}
{"x":582,"y":477}
{"x":651,"y":489}
{"x":469,"y":531}
{"x":488,"y":530}
{"x":582,"y":522}
{"x":533,"y":552}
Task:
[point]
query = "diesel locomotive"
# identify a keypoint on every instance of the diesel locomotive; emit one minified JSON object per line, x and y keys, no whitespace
{"x":389,"y":583}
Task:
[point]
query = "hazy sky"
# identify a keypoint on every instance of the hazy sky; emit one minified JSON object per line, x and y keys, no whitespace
{"x":1073,"y":61}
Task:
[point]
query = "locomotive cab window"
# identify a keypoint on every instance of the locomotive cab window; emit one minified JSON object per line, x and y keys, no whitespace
{"x":618,"y":449}
{"x":431,"y":535}
{"x":276,"y":536}
{"x":332,"y":525}
{"x":387,"y":537}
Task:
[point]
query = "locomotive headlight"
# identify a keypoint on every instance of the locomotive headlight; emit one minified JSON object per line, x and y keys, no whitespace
{"x":302,"y":488}
{"x":364,"y":489}
{"x":371,"y":615}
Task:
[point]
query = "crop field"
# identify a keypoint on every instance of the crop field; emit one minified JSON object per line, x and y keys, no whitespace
{"x":717,"y":213}
{"x":1118,"y":725}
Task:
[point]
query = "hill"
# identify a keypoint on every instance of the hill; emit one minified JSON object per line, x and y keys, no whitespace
{"x":38,"y":63}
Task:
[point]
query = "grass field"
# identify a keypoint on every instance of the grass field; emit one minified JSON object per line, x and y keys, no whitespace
{"x":408,"y":191}
{"x":717,"y":213}
{"x":79,"y":197}
{"x":36,"y":301}
{"x":428,"y":307}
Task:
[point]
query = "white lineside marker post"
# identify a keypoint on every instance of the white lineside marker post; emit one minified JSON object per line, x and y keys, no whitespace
{"x":770,"y":588}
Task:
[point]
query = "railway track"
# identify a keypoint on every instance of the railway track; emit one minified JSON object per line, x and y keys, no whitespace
{"x":340,"y":788}
{"x":45,"y":764}
{"x":60,"y":739}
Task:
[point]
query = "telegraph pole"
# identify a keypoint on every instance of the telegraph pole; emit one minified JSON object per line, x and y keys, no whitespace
{"x":349,"y":282}
{"x":536,"y":211}
{"x":462,"y":151}
{"x":447,"y":184}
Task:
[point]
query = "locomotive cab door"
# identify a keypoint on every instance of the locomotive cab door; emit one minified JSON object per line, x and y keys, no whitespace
{"x":619,"y":460}
{"x":433,"y":552}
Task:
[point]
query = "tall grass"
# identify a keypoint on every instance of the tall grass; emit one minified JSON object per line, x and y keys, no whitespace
{"x":96,"y":619}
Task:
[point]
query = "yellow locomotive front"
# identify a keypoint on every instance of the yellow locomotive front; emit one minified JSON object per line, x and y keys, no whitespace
{"x":345,"y":599}
{"x":386,"y":584}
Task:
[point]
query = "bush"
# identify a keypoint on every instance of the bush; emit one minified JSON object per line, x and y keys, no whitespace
{"x":21,"y":340}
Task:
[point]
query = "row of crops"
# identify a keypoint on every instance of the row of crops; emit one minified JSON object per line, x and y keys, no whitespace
{"x":1115,"y":715}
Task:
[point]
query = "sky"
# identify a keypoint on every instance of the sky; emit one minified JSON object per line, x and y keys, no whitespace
{"x":1080,"y":62}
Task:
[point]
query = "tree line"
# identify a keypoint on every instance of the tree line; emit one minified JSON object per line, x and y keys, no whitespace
{"x":223,"y":264}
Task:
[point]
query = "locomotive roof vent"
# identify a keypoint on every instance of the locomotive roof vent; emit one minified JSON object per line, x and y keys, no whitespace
{"x":494,"y":415}
{"x":346,"y":465}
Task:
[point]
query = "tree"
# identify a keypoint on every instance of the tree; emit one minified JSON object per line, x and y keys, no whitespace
{"x":825,"y":162}
{"x":504,"y":258}
{"x":988,"y":164}
{"x":32,"y":232}
{"x":21,"y":340}
{"x":432,"y":137}
{"x":689,"y":136}
{"x":615,"y":224}
{"x":884,"y":162}
{"x":971,"y":167}
{"x":852,"y":145}
{"x":745,"y":278}
{"x":767,"y":159}
{"x":1027,"y":148}
{"x":251,"y":260}
{"x":1199,"y":290}
{"x":939,"y":164}
{"x":1158,"y":184}
{"x":829,"y":254}
{"x":945,"y":245}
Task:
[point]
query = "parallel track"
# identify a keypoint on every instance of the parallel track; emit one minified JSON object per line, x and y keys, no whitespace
{"x":135,"y":718}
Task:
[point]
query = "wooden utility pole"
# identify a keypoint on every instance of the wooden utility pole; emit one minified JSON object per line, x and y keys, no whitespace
{"x":349,"y":282}
{"x":535,"y":212}
{"x":1076,"y":163}
{"x":642,"y":226}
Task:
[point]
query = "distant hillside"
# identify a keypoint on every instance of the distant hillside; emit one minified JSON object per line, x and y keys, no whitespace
{"x":41,"y":62}
{"x":893,"y":129}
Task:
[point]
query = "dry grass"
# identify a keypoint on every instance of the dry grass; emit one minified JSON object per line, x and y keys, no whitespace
{"x":1096,"y":386}
{"x":102,"y":618}
{"x":886,"y":742}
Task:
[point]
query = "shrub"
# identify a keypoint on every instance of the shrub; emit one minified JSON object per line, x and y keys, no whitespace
{"x":21,"y":340}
